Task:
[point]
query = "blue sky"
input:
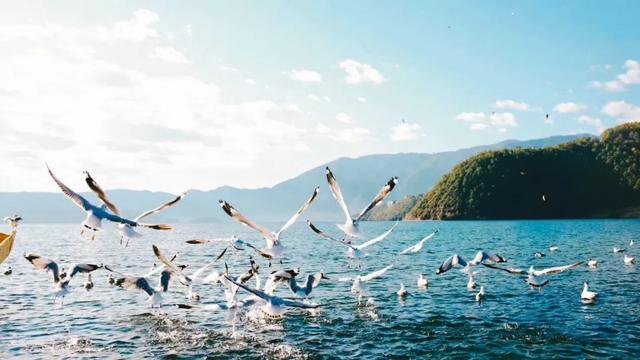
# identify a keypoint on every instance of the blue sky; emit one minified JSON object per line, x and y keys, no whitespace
{"x":252,"y":93}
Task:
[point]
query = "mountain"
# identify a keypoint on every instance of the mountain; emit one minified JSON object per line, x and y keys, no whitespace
{"x":584,"y":178}
{"x":360,"y":179}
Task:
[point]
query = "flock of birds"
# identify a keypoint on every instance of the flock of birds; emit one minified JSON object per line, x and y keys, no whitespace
{"x":264,"y":296}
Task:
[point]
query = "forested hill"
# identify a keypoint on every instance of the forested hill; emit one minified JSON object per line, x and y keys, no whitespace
{"x":587,"y":177}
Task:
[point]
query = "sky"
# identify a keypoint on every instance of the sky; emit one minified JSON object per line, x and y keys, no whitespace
{"x":170,"y":96}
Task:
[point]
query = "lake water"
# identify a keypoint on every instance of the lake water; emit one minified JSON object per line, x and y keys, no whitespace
{"x":442,"y":321}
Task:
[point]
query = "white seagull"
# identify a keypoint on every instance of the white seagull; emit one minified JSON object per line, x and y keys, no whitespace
{"x":618,"y":250}
{"x":422,"y":281}
{"x":353,"y":251}
{"x":455,"y":260}
{"x":419,"y":245}
{"x":553,"y":248}
{"x":360,"y":287}
{"x":126,"y":230}
{"x":274,"y":248}
{"x":480,"y":294}
{"x":402,"y":293}
{"x":141,"y":283}
{"x":274,"y":306}
{"x":592,"y":263}
{"x":350,"y":227}
{"x":289,"y":277}
{"x":95,"y":214}
{"x":61,"y":283}
{"x":12,"y":220}
{"x":233,"y":242}
{"x":629,"y":260}
{"x":532,"y":273}
{"x":586,"y":294}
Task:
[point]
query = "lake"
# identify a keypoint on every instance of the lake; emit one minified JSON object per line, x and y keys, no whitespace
{"x":442,"y":321}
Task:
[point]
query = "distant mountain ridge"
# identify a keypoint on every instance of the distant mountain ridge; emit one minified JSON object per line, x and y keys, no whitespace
{"x":360,"y":178}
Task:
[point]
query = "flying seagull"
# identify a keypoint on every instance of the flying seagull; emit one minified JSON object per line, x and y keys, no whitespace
{"x":61,"y":283}
{"x":126,"y":230}
{"x":274,"y":248}
{"x":419,"y":245}
{"x":141,"y":283}
{"x":289,"y":277}
{"x":95,"y":214}
{"x":12,"y":220}
{"x":353,"y":251}
{"x":350,"y":227}
{"x":480,"y":258}
{"x":274,"y":306}
{"x":360,"y":286}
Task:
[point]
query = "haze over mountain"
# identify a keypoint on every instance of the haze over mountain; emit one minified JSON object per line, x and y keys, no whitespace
{"x":360,"y":179}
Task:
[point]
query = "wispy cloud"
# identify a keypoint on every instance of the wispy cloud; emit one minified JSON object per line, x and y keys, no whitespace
{"x":569,"y":108}
{"x":406,"y":132}
{"x":622,"y":81}
{"x":591,"y":121}
{"x":621,"y":110}
{"x":305,"y":76}
{"x":512,"y":105}
{"x":357,"y":73}
{"x":168,"y":54}
{"x":480,"y":121}
{"x":343,"y":118}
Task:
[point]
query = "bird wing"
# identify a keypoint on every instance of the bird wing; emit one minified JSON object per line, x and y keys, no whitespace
{"x":160,"y":208}
{"x":83,"y":268}
{"x":72,"y":195}
{"x":557,"y":269}
{"x":256,"y":292}
{"x":43,"y":263}
{"x":237,"y":216}
{"x":337,"y":194}
{"x":510,"y":270}
{"x":383,"y":193}
{"x":102,"y":195}
{"x":324,"y":235}
{"x":376,"y":239}
{"x":299,"y":304}
{"x":165,"y":277}
{"x":205,"y":241}
{"x":304,"y":207}
{"x":135,"y":283}
{"x":419,"y":244}
{"x":375,"y":274}
{"x":451,"y":261}
{"x":200,"y":271}
{"x":160,"y":255}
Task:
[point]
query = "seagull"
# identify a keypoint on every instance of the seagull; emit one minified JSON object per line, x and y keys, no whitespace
{"x":360,"y":287}
{"x":534,"y":283}
{"x":302,"y":291}
{"x":110,"y":279}
{"x":553,"y":270}
{"x":274,"y":248}
{"x":480,"y":294}
{"x":592,"y":263}
{"x":629,"y":260}
{"x":618,"y":250}
{"x":354,"y":251}
{"x":61,"y":284}
{"x":455,"y":260}
{"x":631,"y":243}
{"x":553,"y":248}
{"x":532,"y":273}
{"x":234,"y":242}
{"x":12,"y":220}
{"x":230,"y":288}
{"x":586,"y":294}
{"x":8,"y":271}
{"x":350,"y":227}
{"x":88,"y":284}
{"x":95,"y":214}
{"x":402,"y":293}
{"x":141,"y":283}
{"x":471,"y":284}
{"x":274,"y":306}
{"x":126,"y":230}
{"x":539,"y":254}
{"x":422,"y":281}
{"x":418,"y":246}
{"x":187,"y":281}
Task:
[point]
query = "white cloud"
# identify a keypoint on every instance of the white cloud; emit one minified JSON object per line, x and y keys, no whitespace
{"x":189,"y":30}
{"x":305,"y":76}
{"x":250,"y":81}
{"x":168,"y":54}
{"x":480,"y":121}
{"x":630,"y":77}
{"x":591,"y":121}
{"x":358,"y":73}
{"x":343,"y":118}
{"x":362,"y":100}
{"x":406,"y":132}
{"x":512,"y":104}
{"x":322,"y":128}
{"x":313,"y":97}
{"x":623,"y":111}
{"x":351,"y":135}
{"x":139,"y":28}
{"x":88,"y":88}
{"x":569,"y":107}
{"x":471,"y":116}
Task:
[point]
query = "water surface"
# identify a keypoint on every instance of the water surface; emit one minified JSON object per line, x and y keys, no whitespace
{"x":442,"y":321}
